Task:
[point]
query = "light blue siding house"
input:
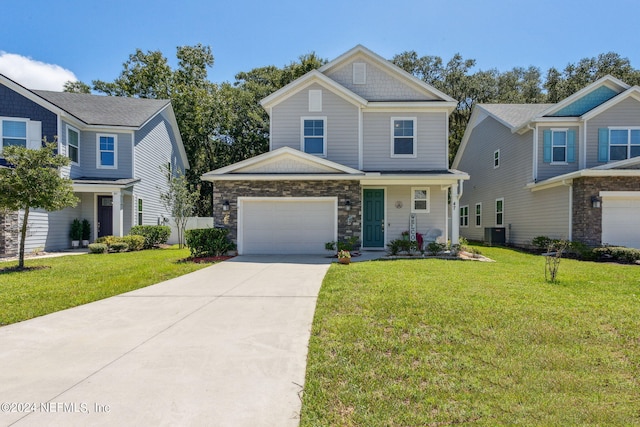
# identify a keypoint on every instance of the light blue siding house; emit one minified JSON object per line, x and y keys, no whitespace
{"x":117,"y":148}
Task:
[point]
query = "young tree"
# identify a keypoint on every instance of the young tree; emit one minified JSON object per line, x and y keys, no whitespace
{"x":33,"y":181}
{"x":179,"y":200}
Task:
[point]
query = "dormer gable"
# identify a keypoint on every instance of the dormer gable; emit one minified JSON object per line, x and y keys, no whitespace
{"x":588,"y":98}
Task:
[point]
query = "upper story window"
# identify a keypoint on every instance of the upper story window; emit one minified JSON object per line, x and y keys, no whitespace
{"x":419,"y":200}
{"x":314,"y":131}
{"x":107,"y":151}
{"x":559,"y":146}
{"x":73,"y":143}
{"x":14,"y":132}
{"x":403,"y":137}
{"x":624,"y":143}
{"x":496,"y":159}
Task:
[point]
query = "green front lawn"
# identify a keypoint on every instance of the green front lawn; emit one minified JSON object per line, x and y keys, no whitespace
{"x":69,"y":281}
{"x":435,"y":342}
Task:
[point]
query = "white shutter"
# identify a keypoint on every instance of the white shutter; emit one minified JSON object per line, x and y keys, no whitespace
{"x":359,"y":73}
{"x":34,"y":135}
{"x":315,"y":100}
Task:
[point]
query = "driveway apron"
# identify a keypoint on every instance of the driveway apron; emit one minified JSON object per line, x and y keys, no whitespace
{"x":223,"y":346}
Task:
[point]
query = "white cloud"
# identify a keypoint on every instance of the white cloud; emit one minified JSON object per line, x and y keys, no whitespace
{"x":34,"y":74}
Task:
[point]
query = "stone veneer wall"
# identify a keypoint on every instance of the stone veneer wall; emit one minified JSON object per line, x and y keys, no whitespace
{"x":344,"y":190}
{"x":9,"y":244}
{"x":587,"y":221}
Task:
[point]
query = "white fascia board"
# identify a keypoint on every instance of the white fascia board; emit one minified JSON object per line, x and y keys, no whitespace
{"x":619,"y":194}
{"x":631,"y":92}
{"x":478,"y":114}
{"x":619,"y":164}
{"x":176,"y":132}
{"x":557,"y":121}
{"x":563,"y":179}
{"x":425,"y":106}
{"x":403,"y":179}
{"x":93,"y":188}
{"x":281,"y":177}
{"x":308,"y":79}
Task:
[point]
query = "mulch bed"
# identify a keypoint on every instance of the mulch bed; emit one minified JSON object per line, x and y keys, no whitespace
{"x":207,"y":259}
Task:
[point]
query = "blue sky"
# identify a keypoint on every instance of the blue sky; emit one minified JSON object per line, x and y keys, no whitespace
{"x":92,"y":39}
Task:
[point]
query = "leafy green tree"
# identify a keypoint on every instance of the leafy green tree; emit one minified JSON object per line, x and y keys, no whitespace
{"x":179,"y":200}
{"x":76,"y":87}
{"x":33,"y":181}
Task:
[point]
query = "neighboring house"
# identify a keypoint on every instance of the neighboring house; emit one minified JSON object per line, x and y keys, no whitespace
{"x":569,"y":170}
{"x":357,"y":148}
{"x":117,"y":147}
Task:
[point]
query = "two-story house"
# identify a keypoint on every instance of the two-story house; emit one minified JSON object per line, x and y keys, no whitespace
{"x":358,"y":148}
{"x":569,"y":170}
{"x":117,"y":147}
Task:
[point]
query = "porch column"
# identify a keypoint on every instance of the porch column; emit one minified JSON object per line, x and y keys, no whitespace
{"x":118,"y":215}
{"x":455,"y":215}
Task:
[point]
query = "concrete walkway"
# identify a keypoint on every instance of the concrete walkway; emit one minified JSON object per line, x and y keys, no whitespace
{"x":223,"y":346}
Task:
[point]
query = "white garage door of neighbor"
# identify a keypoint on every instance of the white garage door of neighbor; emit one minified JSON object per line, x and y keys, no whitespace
{"x":621,"y":220}
{"x":286,"y":226}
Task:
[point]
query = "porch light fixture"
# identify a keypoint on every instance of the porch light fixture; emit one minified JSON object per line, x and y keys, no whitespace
{"x":225,"y":205}
{"x":595,"y":201}
{"x":347,"y":205}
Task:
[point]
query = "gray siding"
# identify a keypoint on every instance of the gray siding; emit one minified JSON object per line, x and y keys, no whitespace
{"x":88,"y":153}
{"x":380,"y":85}
{"x":625,"y":113}
{"x":527,"y":214}
{"x":548,"y":170}
{"x":74,"y":170}
{"x":342,"y":124}
{"x":431,"y":144}
{"x":50,"y":230}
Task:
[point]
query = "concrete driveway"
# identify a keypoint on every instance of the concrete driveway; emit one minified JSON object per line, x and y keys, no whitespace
{"x":223,"y":346}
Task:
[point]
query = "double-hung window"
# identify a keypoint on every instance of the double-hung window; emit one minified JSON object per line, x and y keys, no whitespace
{"x":403,"y":137}
{"x":73,"y":141}
{"x":464,"y":216}
{"x":496,"y":159}
{"x":14,"y":132}
{"x":499,"y":212}
{"x":478,"y":214}
{"x":624,"y":144}
{"x":558,"y":146}
{"x":139,"y":211}
{"x":107,"y":151}
{"x":314,"y":135}
{"x":419,"y":200}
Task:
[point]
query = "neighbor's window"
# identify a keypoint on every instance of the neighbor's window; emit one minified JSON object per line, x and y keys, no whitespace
{"x":496,"y":159}
{"x":403,"y":137}
{"x":139,"y":211}
{"x":464,"y":216}
{"x":478,"y":214}
{"x":419,"y":200}
{"x":558,"y":146}
{"x":624,"y":143}
{"x":107,"y":151}
{"x":499,"y":212}
{"x":14,"y":132}
{"x":73,"y":138}
{"x":313,"y":136}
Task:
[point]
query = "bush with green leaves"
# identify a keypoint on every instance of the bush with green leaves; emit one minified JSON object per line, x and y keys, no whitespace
{"x":109,"y":240}
{"x":98,"y":248}
{"x":119,"y":247}
{"x":434,"y":248}
{"x":154,"y":235}
{"x":134,"y":241}
{"x":204,"y":242}
{"x":402,"y":246}
{"x":618,"y":253}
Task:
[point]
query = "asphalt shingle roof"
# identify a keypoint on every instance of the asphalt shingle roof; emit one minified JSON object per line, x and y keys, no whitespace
{"x":515,"y":114}
{"x":105,"y":110}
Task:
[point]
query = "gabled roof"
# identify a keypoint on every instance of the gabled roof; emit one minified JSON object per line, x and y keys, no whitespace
{"x":388,"y":66}
{"x":514,"y":116}
{"x":631,"y":92}
{"x":106,"y":110}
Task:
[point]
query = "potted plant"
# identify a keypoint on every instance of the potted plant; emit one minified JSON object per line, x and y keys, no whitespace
{"x":75,"y":233}
{"x":86,"y":232}
{"x":344,"y":257}
{"x":405,"y":235}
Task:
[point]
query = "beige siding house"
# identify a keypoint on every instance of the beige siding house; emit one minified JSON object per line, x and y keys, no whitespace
{"x":568,"y":170}
{"x":358,"y":148}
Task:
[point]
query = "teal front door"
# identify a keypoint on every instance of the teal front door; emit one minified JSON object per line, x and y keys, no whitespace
{"x":373,"y":222}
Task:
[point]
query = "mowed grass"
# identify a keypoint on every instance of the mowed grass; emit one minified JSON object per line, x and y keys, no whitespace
{"x":435,"y":342}
{"x":69,"y":281}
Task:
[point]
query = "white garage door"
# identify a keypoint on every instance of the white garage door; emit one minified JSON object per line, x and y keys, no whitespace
{"x":272,"y":225}
{"x":621,"y":218}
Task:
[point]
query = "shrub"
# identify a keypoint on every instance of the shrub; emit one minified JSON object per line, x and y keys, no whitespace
{"x":435,"y":248}
{"x":401,"y":245}
{"x":119,"y":247}
{"x":208,"y":242}
{"x":618,"y":253}
{"x":581,"y":251}
{"x":153,"y":234}
{"x":109,"y":240}
{"x":135,"y":242}
{"x":98,"y":248}
{"x":542,"y":243}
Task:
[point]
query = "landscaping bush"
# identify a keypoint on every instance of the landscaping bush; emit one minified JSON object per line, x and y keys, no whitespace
{"x":208,"y":242}
{"x":435,"y":248}
{"x":98,"y":248}
{"x":135,"y":242}
{"x":154,"y":235}
{"x":402,"y":245}
{"x":618,"y":253}
{"x":119,"y":247}
{"x":109,"y":240}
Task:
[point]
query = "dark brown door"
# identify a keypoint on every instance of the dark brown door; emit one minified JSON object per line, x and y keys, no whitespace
{"x":105,"y":216}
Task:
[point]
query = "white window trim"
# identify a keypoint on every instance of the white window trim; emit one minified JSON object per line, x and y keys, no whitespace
{"x":628,"y":145}
{"x":466,"y":223}
{"x":501,"y":199}
{"x":324,"y":137}
{"x":477,"y":215}
{"x":413,"y":200}
{"x":14,"y":119}
{"x":496,"y":157}
{"x":415,"y":138}
{"x":78,"y":147}
{"x":566,"y":145}
{"x":315,"y":100}
{"x":139,"y":211}
{"x":115,"y":151}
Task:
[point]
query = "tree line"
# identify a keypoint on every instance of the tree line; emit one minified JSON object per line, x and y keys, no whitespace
{"x":222,"y":123}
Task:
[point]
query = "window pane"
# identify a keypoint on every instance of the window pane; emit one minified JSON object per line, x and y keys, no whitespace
{"x":499,"y":219}
{"x":12,"y":141}
{"x":420,"y":194}
{"x":73,"y":138}
{"x":313,"y":145}
{"x":403,"y":146}
{"x":106,"y":158}
{"x":403,"y":128}
{"x":313,"y":128}
{"x":106,"y":143}
{"x":619,"y":137}
{"x":14,"y":129}
{"x":559,"y":138}
{"x":499,"y":205}
{"x":420,"y":205}
{"x":635,"y":137}
{"x":73,"y":153}
{"x":618,"y":152}
{"x":559,"y":154}
{"x":635,"y":150}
